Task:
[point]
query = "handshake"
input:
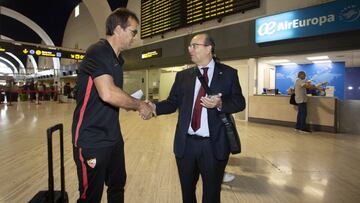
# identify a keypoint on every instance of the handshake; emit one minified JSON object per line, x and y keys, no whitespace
{"x":147,"y":110}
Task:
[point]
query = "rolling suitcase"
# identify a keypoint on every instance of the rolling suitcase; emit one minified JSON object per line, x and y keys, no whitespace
{"x":50,"y":195}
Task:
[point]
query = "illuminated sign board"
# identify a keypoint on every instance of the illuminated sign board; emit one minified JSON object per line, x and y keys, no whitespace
{"x":165,"y":15}
{"x":152,"y":54}
{"x":338,"y":16}
{"x":77,"y":56}
{"x":26,"y":49}
{"x":53,"y":53}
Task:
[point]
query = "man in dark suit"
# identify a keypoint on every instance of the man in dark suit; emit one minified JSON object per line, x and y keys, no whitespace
{"x":200,"y":146}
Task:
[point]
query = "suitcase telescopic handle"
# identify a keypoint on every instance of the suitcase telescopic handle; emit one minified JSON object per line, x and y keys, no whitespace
{"x":50,"y":131}
{"x":55,"y":128}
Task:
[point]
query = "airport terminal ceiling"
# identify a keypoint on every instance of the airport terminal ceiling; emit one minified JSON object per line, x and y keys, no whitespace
{"x":50,"y":15}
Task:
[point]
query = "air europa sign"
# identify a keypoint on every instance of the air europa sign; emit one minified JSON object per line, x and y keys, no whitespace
{"x":272,"y":26}
{"x":342,"y":15}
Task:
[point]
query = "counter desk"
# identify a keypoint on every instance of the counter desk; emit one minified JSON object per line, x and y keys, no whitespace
{"x":276,"y":109}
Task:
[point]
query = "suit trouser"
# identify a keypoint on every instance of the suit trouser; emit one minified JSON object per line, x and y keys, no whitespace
{"x":301,"y":116}
{"x":198,"y":160}
{"x":96,"y":166}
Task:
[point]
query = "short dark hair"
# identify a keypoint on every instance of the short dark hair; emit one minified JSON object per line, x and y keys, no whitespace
{"x":210,"y":41}
{"x":119,"y":17}
{"x":301,"y":73}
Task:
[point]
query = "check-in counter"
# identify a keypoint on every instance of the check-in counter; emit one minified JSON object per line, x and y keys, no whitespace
{"x":277,"y":110}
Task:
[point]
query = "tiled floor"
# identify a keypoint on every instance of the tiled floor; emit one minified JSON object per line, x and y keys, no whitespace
{"x":277,"y":164}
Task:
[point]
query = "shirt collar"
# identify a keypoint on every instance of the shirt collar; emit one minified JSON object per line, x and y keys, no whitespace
{"x":211,"y":65}
{"x":119,"y":57}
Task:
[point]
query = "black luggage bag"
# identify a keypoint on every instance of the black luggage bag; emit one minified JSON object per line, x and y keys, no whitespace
{"x":51,"y":196}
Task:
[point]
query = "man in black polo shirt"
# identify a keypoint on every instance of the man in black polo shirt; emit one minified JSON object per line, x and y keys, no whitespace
{"x":98,"y":144}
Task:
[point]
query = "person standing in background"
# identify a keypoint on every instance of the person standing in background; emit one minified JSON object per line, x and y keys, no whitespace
{"x":40,"y":89}
{"x":301,"y":99}
{"x":32,"y":90}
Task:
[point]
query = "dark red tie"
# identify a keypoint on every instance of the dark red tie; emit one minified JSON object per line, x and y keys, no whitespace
{"x":196,"y":117}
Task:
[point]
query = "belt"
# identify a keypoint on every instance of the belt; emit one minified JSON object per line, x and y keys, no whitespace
{"x":197,"y":137}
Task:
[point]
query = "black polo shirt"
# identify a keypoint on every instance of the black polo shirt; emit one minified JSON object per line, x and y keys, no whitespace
{"x":95,"y":122}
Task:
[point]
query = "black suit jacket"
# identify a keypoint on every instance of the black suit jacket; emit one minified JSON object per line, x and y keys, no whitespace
{"x":225,"y":80}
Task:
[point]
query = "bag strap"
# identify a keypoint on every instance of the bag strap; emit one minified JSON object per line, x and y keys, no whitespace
{"x":203,"y":82}
{"x":208,"y":91}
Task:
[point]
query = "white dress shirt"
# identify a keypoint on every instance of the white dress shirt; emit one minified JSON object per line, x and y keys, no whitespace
{"x":204,"y":126}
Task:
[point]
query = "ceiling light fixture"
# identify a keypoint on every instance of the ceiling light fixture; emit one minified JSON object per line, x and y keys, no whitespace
{"x":313,"y":58}
{"x":280,"y":61}
{"x":323,"y":61}
{"x":288,"y":64}
{"x":77,"y":11}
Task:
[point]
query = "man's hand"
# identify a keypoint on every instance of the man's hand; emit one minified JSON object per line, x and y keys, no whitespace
{"x":145,"y":110}
{"x":212,"y":101}
{"x":153,"y":106}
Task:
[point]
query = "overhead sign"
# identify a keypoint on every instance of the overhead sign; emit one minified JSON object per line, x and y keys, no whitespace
{"x":152,"y":54}
{"x":338,"y":16}
{"x":53,"y":53}
{"x":18,"y":48}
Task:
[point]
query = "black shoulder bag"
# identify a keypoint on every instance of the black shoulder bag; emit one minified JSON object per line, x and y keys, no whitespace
{"x":292,"y":99}
{"x":228,"y":120}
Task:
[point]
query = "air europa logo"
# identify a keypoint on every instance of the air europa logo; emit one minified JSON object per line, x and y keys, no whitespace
{"x":271,"y":27}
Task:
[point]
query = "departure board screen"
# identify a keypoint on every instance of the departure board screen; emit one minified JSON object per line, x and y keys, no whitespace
{"x":159,"y":16}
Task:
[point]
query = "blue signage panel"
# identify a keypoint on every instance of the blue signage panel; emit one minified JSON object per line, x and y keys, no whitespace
{"x":333,"y":73}
{"x":338,"y":16}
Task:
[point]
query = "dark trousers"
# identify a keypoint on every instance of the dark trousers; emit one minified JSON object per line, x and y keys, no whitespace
{"x":198,"y":160}
{"x":301,"y":117}
{"x":96,"y":166}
